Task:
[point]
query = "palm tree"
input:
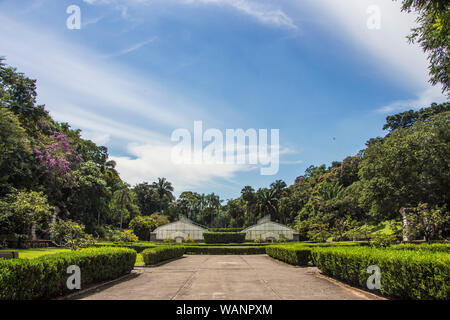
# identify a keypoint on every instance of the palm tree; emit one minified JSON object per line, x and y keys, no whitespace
{"x":123,"y":198}
{"x":279,"y":187}
{"x":267,"y":201}
{"x":164,"y":189}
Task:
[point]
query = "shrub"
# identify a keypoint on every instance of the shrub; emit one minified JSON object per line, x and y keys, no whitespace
{"x":168,"y":240}
{"x":259,"y":240}
{"x":189,"y":240}
{"x":46,"y":276}
{"x":225,"y":229}
{"x":435,"y":247}
{"x":161,"y":253}
{"x":70,"y":234}
{"x":128,"y":236}
{"x":142,"y":226}
{"x":281,"y":239}
{"x":298,"y":256}
{"x":383,"y":240}
{"x":218,"y":250}
{"x":138,"y":247}
{"x":224,"y":237}
{"x":404,"y":274}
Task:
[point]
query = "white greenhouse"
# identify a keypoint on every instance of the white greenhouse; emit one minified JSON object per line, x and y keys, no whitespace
{"x":270,"y":231}
{"x":178,"y":231}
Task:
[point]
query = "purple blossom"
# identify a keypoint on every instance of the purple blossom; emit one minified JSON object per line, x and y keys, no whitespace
{"x":57,"y":156}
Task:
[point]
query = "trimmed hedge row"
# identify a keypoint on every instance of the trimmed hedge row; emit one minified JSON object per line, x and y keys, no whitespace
{"x":224,"y":237}
{"x":298,"y":256}
{"x":434,"y":247}
{"x":226,"y":229}
{"x":405,"y":274}
{"x":225,"y":250}
{"x":243,"y":244}
{"x":46,"y":276}
{"x":138,"y":247}
{"x":161,"y":253}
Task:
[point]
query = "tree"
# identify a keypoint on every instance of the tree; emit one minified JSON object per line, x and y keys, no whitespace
{"x":408,"y":118}
{"x":15,"y":154}
{"x":432,"y":34}
{"x":267,"y":201}
{"x":20,"y":211}
{"x":147,"y":198}
{"x":407,"y":167}
{"x":122,"y":198}
{"x":89,"y":197}
{"x":164,"y":189}
{"x":142,"y":226}
{"x":427,"y":221}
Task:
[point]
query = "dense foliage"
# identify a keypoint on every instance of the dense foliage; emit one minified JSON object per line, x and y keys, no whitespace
{"x":224,"y":237}
{"x":224,"y":250}
{"x":46,"y":276}
{"x":161,"y":253}
{"x":405,"y":274}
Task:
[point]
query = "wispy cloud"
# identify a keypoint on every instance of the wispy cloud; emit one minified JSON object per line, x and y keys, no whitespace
{"x":134,"y":47}
{"x":112,"y":104}
{"x":402,"y":63}
{"x":264,"y":13}
{"x":424,"y":99}
{"x":269,"y":14}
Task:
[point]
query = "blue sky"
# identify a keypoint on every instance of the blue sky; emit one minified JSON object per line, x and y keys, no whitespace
{"x":138,"y":69}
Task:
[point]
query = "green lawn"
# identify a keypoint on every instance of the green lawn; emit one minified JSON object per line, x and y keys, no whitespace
{"x":37,"y":252}
{"x":139,"y":260}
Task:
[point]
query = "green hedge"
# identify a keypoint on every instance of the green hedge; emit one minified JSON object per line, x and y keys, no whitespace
{"x":225,"y":250}
{"x":434,"y":247}
{"x":405,"y":274}
{"x":226,"y":229}
{"x":46,"y":276}
{"x":298,"y":256}
{"x":161,"y":253}
{"x":243,"y":244}
{"x":138,"y":247}
{"x":224,"y":237}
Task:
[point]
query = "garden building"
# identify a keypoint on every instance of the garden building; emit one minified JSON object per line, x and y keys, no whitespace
{"x":270,"y":231}
{"x":178,"y":231}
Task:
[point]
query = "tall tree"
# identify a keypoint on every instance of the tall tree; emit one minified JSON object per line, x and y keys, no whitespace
{"x":164,"y":189}
{"x":432,"y":34}
{"x":123,"y":198}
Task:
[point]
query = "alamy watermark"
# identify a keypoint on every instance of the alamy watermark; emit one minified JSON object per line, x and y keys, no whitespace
{"x":73,"y":22}
{"x":374,"y":281}
{"x":236,"y":146}
{"x":374,"y":19}
{"x":74,"y":280}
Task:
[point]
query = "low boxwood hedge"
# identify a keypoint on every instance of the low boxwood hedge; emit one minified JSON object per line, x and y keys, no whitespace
{"x":298,"y":256}
{"x":137,"y":246}
{"x":405,"y":274}
{"x":46,"y":276}
{"x":243,"y":244}
{"x":434,"y":247}
{"x":219,"y":250}
{"x":161,"y":253}
{"x":226,"y":229}
{"x":224,"y":237}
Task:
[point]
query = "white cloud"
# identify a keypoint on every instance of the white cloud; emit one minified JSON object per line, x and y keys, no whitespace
{"x":264,"y":13}
{"x":132,"y":48}
{"x":423,"y":100}
{"x":153,"y":160}
{"x":402,"y":62}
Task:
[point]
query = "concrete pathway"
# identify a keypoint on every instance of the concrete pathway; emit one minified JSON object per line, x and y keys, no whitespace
{"x":252,"y":277}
